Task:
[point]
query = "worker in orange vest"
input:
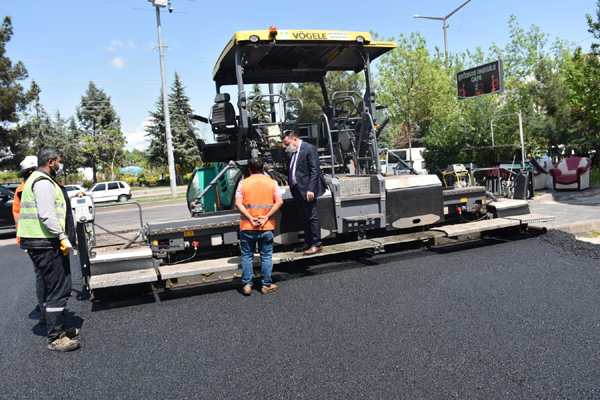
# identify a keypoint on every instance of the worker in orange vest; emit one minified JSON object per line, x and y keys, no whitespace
{"x":258,"y":198}
{"x":28,"y":165}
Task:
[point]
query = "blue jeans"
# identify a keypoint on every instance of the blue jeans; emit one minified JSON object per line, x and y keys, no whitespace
{"x":248,"y":241}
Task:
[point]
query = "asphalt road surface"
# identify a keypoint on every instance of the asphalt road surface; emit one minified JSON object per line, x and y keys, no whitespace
{"x":497,"y":319}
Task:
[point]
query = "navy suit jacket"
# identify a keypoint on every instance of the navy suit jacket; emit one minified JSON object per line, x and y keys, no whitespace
{"x":308,"y":172}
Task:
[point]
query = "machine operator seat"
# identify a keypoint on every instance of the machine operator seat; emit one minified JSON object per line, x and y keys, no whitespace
{"x":223,"y":119}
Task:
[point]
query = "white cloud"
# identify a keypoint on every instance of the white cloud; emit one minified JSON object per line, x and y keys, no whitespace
{"x":149,"y":45}
{"x":138,"y":139}
{"x":118,"y":44}
{"x":118,"y":62}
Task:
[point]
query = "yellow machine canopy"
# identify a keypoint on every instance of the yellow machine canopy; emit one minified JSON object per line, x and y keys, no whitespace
{"x":285,"y":56}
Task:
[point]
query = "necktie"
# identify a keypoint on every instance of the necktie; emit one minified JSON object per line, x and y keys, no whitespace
{"x":291,"y":181}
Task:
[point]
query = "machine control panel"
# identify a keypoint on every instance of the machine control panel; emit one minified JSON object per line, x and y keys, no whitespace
{"x":83,"y":208}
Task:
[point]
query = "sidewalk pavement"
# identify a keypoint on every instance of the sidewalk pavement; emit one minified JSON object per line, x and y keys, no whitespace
{"x":574,"y":211}
{"x":156,"y":193}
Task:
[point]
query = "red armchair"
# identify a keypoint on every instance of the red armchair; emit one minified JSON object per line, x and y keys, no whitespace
{"x":572,"y":174}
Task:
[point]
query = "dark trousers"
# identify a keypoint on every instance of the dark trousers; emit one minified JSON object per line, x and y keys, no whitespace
{"x":310,"y":218}
{"x":56,"y":274}
{"x":40,"y":289}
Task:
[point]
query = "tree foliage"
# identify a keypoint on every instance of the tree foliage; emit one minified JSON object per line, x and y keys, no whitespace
{"x":106,"y":148}
{"x":100,"y":127}
{"x":312,"y":96}
{"x":415,"y":86}
{"x":594,"y":28}
{"x":185,"y":152}
{"x":13,"y":100}
{"x":261,"y":106}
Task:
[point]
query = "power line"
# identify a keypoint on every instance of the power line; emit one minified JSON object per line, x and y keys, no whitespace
{"x":110,"y":62}
{"x":584,"y":39}
{"x":125,"y":7}
{"x":86,"y":81}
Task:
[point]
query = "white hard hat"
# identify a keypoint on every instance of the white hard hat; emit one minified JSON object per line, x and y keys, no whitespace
{"x":29,"y":162}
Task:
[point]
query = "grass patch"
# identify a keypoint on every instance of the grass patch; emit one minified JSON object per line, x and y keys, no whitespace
{"x":183,"y":196}
{"x":593,"y":234}
{"x":138,"y":188}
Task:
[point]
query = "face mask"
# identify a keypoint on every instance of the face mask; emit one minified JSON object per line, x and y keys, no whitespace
{"x":59,"y":171}
{"x":291,"y":149}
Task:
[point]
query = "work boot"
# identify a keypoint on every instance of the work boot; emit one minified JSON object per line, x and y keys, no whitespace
{"x":70,"y":333}
{"x":63,"y":343}
{"x":247,"y":289}
{"x":268,"y":289}
{"x":42,"y":320}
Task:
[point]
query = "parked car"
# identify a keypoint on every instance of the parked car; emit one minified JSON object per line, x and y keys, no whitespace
{"x":6,"y":203}
{"x":110,"y":191}
{"x":72,"y":190}
{"x":10,"y":186}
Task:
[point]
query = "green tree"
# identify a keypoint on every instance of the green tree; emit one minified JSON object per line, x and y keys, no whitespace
{"x":106,"y":148}
{"x":134,"y":157}
{"x":583,"y":77}
{"x":185,"y":152}
{"x":261,"y":107}
{"x":594,"y":28}
{"x":66,"y":137}
{"x":548,"y":114}
{"x":13,"y":100}
{"x":35,"y":123}
{"x":312,"y":96}
{"x":97,"y":117}
{"x":522,"y":54}
{"x":415,"y":86}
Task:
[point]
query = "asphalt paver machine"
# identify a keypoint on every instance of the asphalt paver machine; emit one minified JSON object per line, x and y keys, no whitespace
{"x":363,"y":209}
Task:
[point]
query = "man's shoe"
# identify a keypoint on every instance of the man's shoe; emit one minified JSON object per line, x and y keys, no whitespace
{"x":313,"y":250}
{"x":268,"y":289}
{"x":247,"y":289}
{"x":70,"y":333}
{"x":302,"y":248}
{"x":42,"y":320}
{"x":63,"y":343}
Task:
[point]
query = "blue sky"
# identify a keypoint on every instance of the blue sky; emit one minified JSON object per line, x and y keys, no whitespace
{"x":66,"y":43}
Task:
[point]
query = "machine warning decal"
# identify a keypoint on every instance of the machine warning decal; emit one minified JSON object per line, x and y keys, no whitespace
{"x":338,"y":35}
{"x":312,"y":35}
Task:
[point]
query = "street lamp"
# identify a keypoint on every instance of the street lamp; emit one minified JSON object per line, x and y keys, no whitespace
{"x":172,"y":177}
{"x":443,"y":19}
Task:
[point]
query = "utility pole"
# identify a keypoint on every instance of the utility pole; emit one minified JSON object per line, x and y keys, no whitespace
{"x":172,"y":177}
{"x":446,"y":26}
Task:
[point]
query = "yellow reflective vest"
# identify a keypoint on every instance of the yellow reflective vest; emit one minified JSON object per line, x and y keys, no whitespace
{"x":30,"y":225}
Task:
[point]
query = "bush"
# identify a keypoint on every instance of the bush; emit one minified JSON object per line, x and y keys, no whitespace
{"x":131,"y":181}
{"x":594,"y":176}
{"x":10,"y":177}
{"x":87,"y":183}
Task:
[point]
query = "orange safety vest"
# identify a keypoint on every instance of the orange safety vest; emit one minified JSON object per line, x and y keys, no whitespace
{"x":258,"y":191}
{"x":17,"y":207}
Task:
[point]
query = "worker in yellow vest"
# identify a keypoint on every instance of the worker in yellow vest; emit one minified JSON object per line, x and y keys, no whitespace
{"x":258,"y":198}
{"x":28,"y":165}
{"x":46,"y":229}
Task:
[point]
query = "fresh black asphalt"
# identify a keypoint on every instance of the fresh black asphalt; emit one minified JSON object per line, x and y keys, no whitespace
{"x":497,"y":319}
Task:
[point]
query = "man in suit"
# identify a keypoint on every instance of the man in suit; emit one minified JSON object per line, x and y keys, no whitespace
{"x":306,"y":183}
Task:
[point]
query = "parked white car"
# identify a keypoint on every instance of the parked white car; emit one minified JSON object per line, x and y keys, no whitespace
{"x":72,"y":190}
{"x":110,"y":191}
